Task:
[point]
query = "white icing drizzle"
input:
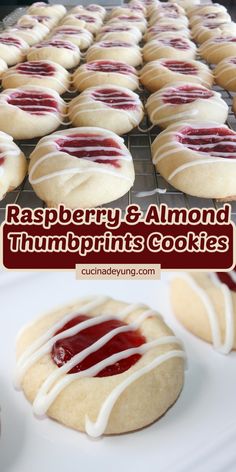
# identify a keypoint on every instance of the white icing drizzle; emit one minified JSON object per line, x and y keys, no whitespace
{"x":58,"y":380}
{"x":19,"y":74}
{"x":223,"y":69}
{"x":152,"y":73}
{"x":82,"y":75}
{"x":227,"y":345}
{"x":150,"y":192}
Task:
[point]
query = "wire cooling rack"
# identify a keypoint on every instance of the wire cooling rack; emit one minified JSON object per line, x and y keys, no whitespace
{"x":146,"y":177}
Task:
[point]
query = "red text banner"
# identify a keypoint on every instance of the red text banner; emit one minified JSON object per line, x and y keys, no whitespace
{"x":175,"y":238}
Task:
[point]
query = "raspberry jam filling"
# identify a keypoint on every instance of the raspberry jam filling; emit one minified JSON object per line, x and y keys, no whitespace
{"x":2,"y":159}
{"x":88,"y":19}
{"x":225,"y":39}
{"x":129,"y":18}
{"x":218,"y":142}
{"x":181,"y":67}
{"x":177,"y":43}
{"x":113,"y":29}
{"x":160,"y":29}
{"x":228,"y":278}
{"x":57,"y":44}
{"x":65,"y":30}
{"x":185,"y":94}
{"x":64,"y":349}
{"x":115,"y":99}
{"x":36,"y":68}
{"x":35,"y":103}
{"x":110,"y":66}
{"x":41,"y":18}
{"x":9,"y":41}
{"x":114,"y":44}
{"x":92,"y":147}
{"x":233,"y":60}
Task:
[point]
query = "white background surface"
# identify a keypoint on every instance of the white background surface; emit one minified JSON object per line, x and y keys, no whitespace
{"x":197,"y":434}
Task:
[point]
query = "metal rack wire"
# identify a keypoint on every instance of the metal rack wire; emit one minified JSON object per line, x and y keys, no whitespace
{"x":146,"y":177}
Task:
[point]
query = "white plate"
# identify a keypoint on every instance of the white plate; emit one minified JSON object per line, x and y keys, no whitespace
{"x":197,"y":434}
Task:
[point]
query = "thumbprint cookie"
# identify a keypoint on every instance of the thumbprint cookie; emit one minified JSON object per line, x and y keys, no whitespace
{"x":100,"y":366}
{"x":31,"y":33}
{"x":198,"y":158}
{"x":119,"y":32}
{"x":205,"y":303}
{"x":115,"y":108}
{"x":93,"y":9}
{"x":105,"y":73}
{"x":134,"y":20}
{"x":12,"y":49}
{"x":157,"y":74}
{"x":46,"y":20}
{"x":64,"y":53}
{"x":67,"y":166}
{"x":209,"y":8}
{"x":185,"y":101}
{"x":78,"y":36}
{"x":86,"y":21}
{"x":157,"y":30}
{"x":206,"y":31}
{"x":225,"y":73}
{"x":169,"y":46}
{"x":171,"y":16}
{"x":218,"y":17}
{"x":13,"y":165}
{"x":218,"y":48}
{"x":38,"y":73}
{"x":34,"y":111}
{"x":116,"y":50}
{"x":41,"y":8}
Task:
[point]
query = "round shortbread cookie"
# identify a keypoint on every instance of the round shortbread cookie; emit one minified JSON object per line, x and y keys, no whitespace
{"x":48,"y":21}
{"x":218,"y":48}
{"x":185,"y":101}
{"x":89,"y":167}
{"x":198,"y":158}
{"x":102,"y":385}
{"x":119,"y":32}
{"x":38,"y":73}
{"x":158,"y":74}
{"x":86,"y":21}
{"x":35,"y":111}
{"x":31,"y":33}
{"x":78,"y":36}
{"x":115,"y":108}
{"x":115,"y":50}
{"x":225,"y":73}
{"x":13,"y":165}
{"x":134,"y":20}
{"x":12,"y":49}
{"x":173,"y":17}
{"x":155,"y":31}
{"x":206,"y":31}
{"x":103,"y":72}
{"x":219,"y":17}
{"x":209,"y":8}
{"x":92,"y":9}
{"x":205,"y":303}
{"x":170,"y":46}
{"x":166,"y":7}
{"x":41,"y":8}
{"x":64,"y":53}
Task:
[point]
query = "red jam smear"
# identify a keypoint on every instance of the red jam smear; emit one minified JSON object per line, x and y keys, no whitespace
{"x":9,"y":41}
{"x":162,"y":29}
{"x":68,"y":30}
{"x":226,"y":279}
{"x":210,"y":141}
{"x":35,"y":103}
{"x":99,"y":148}
{"x":2,"y":160}
{"x":110,"y":66}
{"x":88,"y":19}
{"x":185,"y":94}
{"x":129,"y":18}
{"x":177,"y":43}
{"x":64,"y":349}
{"x":115,"y":99}
{"x":36,"y":68}
{"x":233,"y":60}
{"x":225,"y":39}
{"x":57,"y":44}
{"x":181,"y":67}
{"x":113,"y":29}
{"x":41,"y":18}
{"x":93,"y":8}
{"x":114,"y":44}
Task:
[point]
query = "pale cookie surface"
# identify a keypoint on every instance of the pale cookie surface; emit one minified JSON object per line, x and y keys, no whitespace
{"x":41,"y":8}
{"x":105,"y":72}
{"x":81,"y":167}
{"x":134,"y":20}
{"x":12,"y":49}
{"x":120,"y":31}
{"x":218,"y":48}
{"x":46,"y":20}
{"x":117,"y":51}
{"x":204,"y":32}
{"x":198,"y":158}
{"x":157,"y":30}
{"x":13,"y":165}
{"x":170,"y":46}
{"x":87,"y":21}
{"x":100,"y":387}
{"x":225,"y":73}
{"x":31,"y":33}
{"x":205,"y":303}
{"x":78,"y":36}
{"x":62,"y":52}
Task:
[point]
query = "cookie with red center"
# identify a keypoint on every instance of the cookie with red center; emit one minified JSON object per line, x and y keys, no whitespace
{"x":38,"y":73}
{"x":217,"y":17}
{"x":83,"y":159}
{"x":105,"y":73}
{"x":204,"y":32}
{"x":115,"y":108}
{"x":157,"y":30}
{"x":78,"y":36}
{"x":12,"y":49}
{"x":127,"y":11}
{"x":134,"y":20}
{"x":46,"y":20}
{"x":91,"y":9}
{"x":209,"y":8}
{"x":158,"y":74}
{"x":119,"y":32}
{"x":211,"y":301}
{"x":83,"y":20}
{"x":170,"y":46}
{"x":218,"y":48}
{"x":168,"y":7}
{"x":13,"y":165}
{"x":60,"y":51}
{"x":225,"y":73}
{"x":118,"y":364}
{"x":198,"y":158}
{"x":31,"y":33}
{"x":115,"y":50}
{"x":35,"y":111}
{"x":185,"y":101}
{"x":171,"y":16}
{"x":42,"y":8}
{"x":186,"y":4}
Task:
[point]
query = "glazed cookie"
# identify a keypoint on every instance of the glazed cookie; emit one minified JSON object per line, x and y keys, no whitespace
{"x":206,"y":31}
{"x":198,"y":158}
{"x":70,"y":357}
{"x":115,"y":108}
{"x":169,"y":46}
{"x":93,"y":9}
{"x":185,"y":101}
{"x":119,"y":32}
{"x":13,"y":165}
{"x":186,"y":4}
{"x":168,"y":7}
{"x":78,"y":36}
{"x":41,"y":8}
{"x":157,"y":30}
{"x":35,"y":111}
{"x":104,"y":73}
{"x":157,"y":74}
{"x":225,"y":74}
{"x":209,"y":8}
{"x":128,"y":9}
{"x":3,"y":67}
{"x":205,"y":303}
{"x":64,"y":53}
{"x":117,"y":51}
{"x":31,"y":33}
{"x":89,"y":22}
{"x":89,"y":167}
{"x":49,"y":21}
{"x":134,"y":20}
{"x":12,"y":49}
{"x":39,"y":73}
{"x":218,"y":48}
{"x":170,"y":16}
{"x":220,"y":17}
